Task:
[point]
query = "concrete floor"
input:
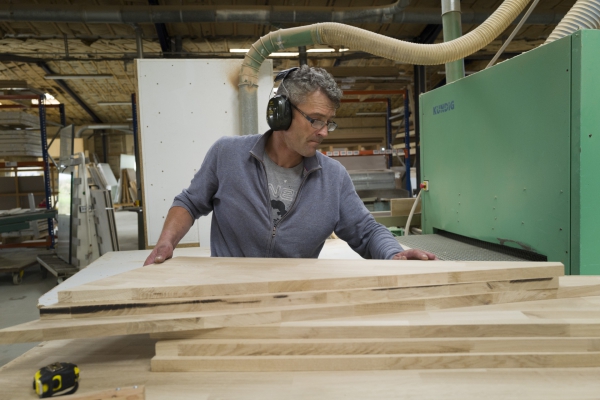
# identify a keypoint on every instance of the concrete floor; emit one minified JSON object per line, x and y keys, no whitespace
{"x":18,"y":303}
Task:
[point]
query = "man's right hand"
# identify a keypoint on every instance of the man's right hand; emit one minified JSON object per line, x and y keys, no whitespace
{"x":162,"y":252}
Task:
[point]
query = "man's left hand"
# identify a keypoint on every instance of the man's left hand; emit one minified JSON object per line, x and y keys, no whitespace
{"x":414,"y":254}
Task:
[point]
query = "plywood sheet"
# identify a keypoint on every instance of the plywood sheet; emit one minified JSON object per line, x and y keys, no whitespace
{"x":196,"y":102}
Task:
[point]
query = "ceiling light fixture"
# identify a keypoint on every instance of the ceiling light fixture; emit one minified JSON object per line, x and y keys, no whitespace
{"x":79,"y":76}
{"x":287,"y":54}
{"x":284,"y":54}
{"x":114,"y":103}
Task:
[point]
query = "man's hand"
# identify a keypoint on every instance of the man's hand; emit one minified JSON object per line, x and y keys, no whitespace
{"x":414,"y":254}
{"x":162,"y":252}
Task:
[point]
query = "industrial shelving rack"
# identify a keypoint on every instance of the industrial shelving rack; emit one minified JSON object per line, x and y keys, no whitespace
{"x":44,"y":142}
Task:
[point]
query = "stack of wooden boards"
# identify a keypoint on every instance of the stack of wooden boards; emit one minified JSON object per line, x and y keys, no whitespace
{"x":128,"y":189}
{"x":37,"y":228}
{"x":223,"y":314}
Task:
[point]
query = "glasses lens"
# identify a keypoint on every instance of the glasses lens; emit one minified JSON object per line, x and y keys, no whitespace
{"x":331,"y":126}
{"x":317,"y":124}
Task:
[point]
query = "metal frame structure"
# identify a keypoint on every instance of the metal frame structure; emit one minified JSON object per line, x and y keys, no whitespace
{"x":44,"y":139}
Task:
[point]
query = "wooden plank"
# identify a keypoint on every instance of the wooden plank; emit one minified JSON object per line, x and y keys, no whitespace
{"x":402,"y":207}
{"x":94,"y":327}
{"x":310,"y":347}
{"x":127,"y":393}
{"x":375,"y":362}
{"x":440,"y":329}
{"x":546,"y":318}
{"x":579,"y":286}
{"x":154,"y":306}
{"x":124,"y":361}
{"x":203,"y":277}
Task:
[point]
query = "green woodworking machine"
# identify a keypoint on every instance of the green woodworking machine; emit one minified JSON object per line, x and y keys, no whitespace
{"x":511,"y":154}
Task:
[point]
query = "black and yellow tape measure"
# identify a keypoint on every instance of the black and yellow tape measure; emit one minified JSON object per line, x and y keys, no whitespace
{"x":55,"y":378}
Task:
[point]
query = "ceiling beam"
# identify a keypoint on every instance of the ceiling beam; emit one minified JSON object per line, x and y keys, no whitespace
{"x":70,"y":92}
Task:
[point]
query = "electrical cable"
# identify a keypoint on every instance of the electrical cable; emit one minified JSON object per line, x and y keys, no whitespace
{"x":412,"y":212}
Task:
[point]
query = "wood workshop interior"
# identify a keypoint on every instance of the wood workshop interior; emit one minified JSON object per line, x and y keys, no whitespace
{"x":285,"y":199}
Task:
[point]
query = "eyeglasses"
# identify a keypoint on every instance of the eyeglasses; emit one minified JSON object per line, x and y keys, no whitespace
{"x":317,"y":123}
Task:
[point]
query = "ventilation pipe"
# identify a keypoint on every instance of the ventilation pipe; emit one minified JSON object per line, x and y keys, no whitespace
{"x":361,"y":40}
{"x":452,"y":30}
{"x":196,"y":13}
{"x":264,"y":15}
{"x":585,"y":14}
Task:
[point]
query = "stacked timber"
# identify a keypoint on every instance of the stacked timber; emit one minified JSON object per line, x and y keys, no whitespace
{"x":224,"y":314}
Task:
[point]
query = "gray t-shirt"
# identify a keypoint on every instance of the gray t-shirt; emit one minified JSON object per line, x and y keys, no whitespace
{"x":283,"y":187}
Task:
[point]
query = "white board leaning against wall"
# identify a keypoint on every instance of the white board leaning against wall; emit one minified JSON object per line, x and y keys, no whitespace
{"x":184,"y":107}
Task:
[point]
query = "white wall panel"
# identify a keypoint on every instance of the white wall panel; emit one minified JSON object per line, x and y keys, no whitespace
{"x":184,"y":107}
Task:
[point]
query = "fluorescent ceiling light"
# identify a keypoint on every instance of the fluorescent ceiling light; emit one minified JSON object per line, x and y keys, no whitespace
{"x":288,"y":54}
{"x":114,"y":103}
{"x":79,"y":76}
{"x":328,"y":50}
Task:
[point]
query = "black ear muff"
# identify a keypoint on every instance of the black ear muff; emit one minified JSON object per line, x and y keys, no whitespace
{"x":279,"y":113}
{"x":279,"y":108}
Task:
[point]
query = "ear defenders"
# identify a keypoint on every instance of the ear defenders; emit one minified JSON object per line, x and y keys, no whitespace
{"x":279,"y":108}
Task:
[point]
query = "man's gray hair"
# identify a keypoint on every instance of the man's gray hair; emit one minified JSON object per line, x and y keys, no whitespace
{"x":305,"y":80}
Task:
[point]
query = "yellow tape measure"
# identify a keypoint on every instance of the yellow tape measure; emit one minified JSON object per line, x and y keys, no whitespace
{"x":56,"y":378}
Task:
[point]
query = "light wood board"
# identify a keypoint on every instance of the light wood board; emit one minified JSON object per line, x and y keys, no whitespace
{"x":317,"y":347}
{"x":375,"y":362}
{"x":366,"y":295}
{"x":202,"y":277}
{"x":54,"y":329}
{"x":576,"y":317}
{"x":124,"y":361}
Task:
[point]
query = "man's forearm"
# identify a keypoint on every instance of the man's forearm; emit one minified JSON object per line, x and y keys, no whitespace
{"x":177,"y":224}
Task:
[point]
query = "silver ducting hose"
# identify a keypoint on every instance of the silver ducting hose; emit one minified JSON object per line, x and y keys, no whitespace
{"x":585,"y":14}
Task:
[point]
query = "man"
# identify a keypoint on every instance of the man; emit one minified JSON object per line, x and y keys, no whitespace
{"x":276,"y":195}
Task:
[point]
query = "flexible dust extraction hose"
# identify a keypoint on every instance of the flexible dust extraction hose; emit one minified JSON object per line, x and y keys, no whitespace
{"x":357,"y":39}
{"x":585,"y":14}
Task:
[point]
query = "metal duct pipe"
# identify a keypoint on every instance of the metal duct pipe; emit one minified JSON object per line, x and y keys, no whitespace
{"x":126,"y":127}
{"x":139,"y":43}
{"x":452,"y":30}
{"x":585,"y":14}
{"x":263,"y":15}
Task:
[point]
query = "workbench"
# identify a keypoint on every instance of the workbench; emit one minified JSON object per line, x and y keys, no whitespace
{"x":123,"y":361}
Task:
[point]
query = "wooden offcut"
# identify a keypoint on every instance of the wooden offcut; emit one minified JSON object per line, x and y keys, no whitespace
{"x":402,"y":207}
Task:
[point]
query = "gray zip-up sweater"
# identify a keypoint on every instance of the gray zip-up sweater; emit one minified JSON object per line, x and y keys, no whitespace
{"x":232,"y":183}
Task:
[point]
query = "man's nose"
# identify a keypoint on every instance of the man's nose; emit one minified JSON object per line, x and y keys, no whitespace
{"x":323,"y":131}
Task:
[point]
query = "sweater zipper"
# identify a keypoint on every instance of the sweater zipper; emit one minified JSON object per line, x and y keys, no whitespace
{"x":268,"y":203}
{"x":274,"y":232}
